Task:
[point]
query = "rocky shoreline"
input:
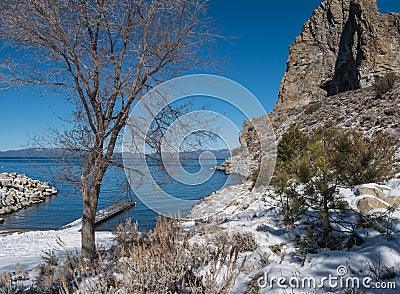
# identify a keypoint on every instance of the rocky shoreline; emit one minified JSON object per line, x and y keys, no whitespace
{"x":18,"y":191}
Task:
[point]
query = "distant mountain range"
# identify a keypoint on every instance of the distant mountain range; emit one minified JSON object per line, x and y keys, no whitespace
{"x":219,"y":154}
{"x":57,"y":153}
{"x":33,"y":153}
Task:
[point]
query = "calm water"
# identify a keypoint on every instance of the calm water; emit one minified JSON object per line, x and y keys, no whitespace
{"x":67,"y":205}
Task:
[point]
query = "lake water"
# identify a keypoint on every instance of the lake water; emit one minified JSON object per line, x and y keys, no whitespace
{"x":67,"y":205}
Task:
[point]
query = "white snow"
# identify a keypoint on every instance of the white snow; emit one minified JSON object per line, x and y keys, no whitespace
{"x":257,"y":212}
{"x":27,"y":248}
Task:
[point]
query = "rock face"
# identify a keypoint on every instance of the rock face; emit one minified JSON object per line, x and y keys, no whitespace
{"x":330,"y":71}
{"x":19,"y":191}
{"x":245,"y":158}
{"x":344,"y":46}
{"x":258,"y":144}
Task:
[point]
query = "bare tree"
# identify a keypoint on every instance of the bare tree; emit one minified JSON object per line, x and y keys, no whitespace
{"x":106,"y":54}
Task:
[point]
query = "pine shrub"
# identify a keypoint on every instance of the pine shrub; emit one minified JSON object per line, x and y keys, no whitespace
{"x":310,"y":166}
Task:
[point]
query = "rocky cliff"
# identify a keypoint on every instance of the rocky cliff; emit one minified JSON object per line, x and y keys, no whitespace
{"x":344,"y":46}
{"x":258,"y":145}
{"x":331,"y":70}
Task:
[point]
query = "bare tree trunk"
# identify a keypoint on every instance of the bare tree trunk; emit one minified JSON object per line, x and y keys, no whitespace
{"x":326,"y":222}
{"x":91,"y":184}
{"x":88,"y":219}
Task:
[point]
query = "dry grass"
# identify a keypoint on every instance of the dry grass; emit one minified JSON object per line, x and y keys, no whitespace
{"x":163,"y":260}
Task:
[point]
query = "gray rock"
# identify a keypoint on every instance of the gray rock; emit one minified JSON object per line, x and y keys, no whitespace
{"x":4,"y":175}
{"x":6,"y":182}
{"x":18,"y":191}
{"x":343,"y":47}
{"x":25,"y":203}
{"x":40,"y":188}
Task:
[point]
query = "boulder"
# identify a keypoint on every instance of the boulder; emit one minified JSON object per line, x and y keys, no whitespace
{"x":51,"y":191}
{"x":25,"y":203}
{"x":35,"y":182}
{"x":1,"y":220}
{"x":4,"y":175}
{"x":370,"y":190}
{"x":6,"y":182}
{"x":369,"y":203}
{"x":9,"y":200}
{"x":40,"y":188}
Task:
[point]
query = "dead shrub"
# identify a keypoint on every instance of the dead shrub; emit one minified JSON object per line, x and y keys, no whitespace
{"x":163,"y":260}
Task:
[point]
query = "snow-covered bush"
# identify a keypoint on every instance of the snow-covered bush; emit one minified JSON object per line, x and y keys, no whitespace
{"x":245,"y":241}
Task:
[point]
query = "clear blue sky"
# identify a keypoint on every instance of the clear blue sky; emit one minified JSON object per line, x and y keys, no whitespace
{"x":262,"y":31}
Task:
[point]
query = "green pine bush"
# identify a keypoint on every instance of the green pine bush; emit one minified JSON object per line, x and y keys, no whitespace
{"x":310,"y":166}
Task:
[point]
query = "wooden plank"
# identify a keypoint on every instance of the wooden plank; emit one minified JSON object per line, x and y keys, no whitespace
{"x":106,"y":213}
{"x":112,"y":210}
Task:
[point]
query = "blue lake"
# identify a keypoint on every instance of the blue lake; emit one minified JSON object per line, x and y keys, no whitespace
{"x":67,"y":205}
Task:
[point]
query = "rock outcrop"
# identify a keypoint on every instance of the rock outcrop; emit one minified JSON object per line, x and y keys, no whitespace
{"x":19,"y":191}
{"x":373,"y":196}
{"x":330,"y":74}
{"x":245,"y":158}
{"x":258,"y":145}
{"x":344,"y":46}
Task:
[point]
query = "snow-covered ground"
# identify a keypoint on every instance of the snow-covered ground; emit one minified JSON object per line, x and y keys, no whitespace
{"x":27,"y":248}
{"x":376,"y":262}
{"x":277,"y":258}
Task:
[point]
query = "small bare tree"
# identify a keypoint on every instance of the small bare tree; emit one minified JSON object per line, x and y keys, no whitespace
{"x":106,"y":54}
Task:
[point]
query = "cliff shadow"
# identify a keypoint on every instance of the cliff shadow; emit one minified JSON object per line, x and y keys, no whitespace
{"x":346,"y":75}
